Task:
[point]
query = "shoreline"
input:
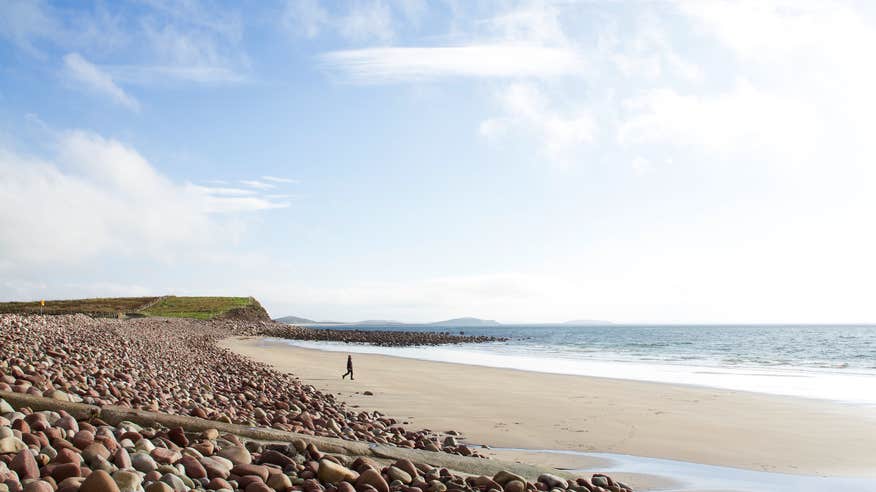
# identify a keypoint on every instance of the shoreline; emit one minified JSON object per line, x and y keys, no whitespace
{"x":796,"y":382}
{"x":692,"y":424}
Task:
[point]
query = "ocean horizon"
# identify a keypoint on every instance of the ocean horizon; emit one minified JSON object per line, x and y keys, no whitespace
{"x":830,"y":362}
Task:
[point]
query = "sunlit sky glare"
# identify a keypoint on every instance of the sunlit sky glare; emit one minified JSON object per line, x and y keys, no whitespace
{"x":520,"y":161}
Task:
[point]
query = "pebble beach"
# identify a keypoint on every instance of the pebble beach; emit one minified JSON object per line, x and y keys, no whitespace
{"x":176,"y":367}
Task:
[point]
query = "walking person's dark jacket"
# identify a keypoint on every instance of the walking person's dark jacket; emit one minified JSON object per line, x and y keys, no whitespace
{"x":349,"y":368}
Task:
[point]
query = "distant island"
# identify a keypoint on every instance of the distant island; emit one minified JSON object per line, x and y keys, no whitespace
{"x":466,"y":322}
{"x":379,"y":322}
{"x":295,"y":319}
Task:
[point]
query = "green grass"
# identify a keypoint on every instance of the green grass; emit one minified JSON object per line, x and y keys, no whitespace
{"x":196,"y":307}
{"x":107,"y":306}
{"x":169,"y":307}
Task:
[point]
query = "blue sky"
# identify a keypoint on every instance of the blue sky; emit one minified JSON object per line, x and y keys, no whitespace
{"x":520,"y":161}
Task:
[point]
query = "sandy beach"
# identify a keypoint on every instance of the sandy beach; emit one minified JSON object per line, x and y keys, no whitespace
{"x":515,"y":409}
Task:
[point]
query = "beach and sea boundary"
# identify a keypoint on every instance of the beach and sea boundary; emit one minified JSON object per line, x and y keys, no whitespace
{"x":713,"y":436}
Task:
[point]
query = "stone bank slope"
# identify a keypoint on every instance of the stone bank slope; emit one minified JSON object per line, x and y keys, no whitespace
{"x":51,"y":450}
{"x":175,"y":366}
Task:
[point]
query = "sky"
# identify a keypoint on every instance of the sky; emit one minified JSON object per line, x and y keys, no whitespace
{"x":670,"y":161}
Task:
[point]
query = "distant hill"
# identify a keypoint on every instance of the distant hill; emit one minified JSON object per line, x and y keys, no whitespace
{"x":466,"y":322}
{"x":294,"y":319}
{"x":245,"y":308}
{"x":367,"y":322}
{"x":378,"y":322}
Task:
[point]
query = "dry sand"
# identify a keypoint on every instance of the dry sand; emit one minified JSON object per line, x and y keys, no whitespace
{"x":517,"y":409}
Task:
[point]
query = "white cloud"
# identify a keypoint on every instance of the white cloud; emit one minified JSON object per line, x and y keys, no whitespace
{"x":165,"y":42}
{"x":362,"y":20}
{"x":782,"y":30}
{"x":412,"y":10}
{"x":742,"y":120}
{"x":259,"y":185}
{"x":406,"y":64}
{"x":165,"y":74}
{"x":535,"y":23}
{"x":561,"y":134}
{"x":811,"y":51}
{"x":100,"y":197}
{"x":304,"y":17}
{"x":206,"y":16}
{"x":187,"y":55}
{"x":367,"y":20}
{"x":24,"y":23}
{"x":644,"y":52}
{"x":642,"y":166}
{"x":213,"y":190}
{"x":276,"y":179}
{"x":96,"y":79}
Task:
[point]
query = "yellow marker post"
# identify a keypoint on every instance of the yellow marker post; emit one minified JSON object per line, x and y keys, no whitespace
{"x":42,"y":305}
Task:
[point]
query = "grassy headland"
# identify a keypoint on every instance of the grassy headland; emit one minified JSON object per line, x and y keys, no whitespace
{"x":165,"y":306}
{"x":196,"y":307}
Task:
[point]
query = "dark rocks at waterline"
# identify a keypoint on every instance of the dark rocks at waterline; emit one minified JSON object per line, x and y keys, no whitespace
{"x":45,"y":460}
{"x":175,"y":366}
{"x":375,"y":337}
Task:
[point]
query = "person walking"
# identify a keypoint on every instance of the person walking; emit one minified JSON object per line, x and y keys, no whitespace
{"x":349,"y":368}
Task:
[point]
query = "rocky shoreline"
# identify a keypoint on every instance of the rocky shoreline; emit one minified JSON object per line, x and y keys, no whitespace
{"x":175,"y":366}
{"x":51,"y":451}
{"x":383,"y":338}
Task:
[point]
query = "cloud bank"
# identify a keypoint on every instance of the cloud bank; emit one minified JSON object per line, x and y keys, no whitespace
{"x":98,"y":196}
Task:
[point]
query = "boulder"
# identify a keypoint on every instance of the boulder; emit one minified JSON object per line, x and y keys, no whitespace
{"x":408,"y":467}
{"x":165,"y":455}
{"x":128,"y":481}
{"x":396,"y":473}
{"x":25,"y":465}
{"x":279,"y":482}
{"x":11,"y":444}
{"x":38,"y":486}
{"x":193,"y":467}
{"x":553,"y":481}
{"x":243,"y":470}
{"x":331,"y":472}
{"x":236,"y":454}
{"x":174,"y":482}
{"x":515,"y":486}
{"x":99,"y":481}
{"x":159,"y":487}
{"x":219,"y":484}
{"x":63,"y":471}
{"x":504,"y":477}
{"x":372,"y":478}
{"x":143,"y":462}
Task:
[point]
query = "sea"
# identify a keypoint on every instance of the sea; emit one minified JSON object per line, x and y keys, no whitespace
{"x":826,"y":362}
{"x":831,"y":362}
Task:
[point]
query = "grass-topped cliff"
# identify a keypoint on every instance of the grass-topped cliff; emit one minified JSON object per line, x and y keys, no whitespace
{"x":164,"y":306}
